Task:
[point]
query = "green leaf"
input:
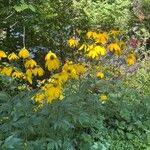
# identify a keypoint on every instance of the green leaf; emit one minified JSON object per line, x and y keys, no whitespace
{"x":12,"y":142}
{"x":4,"y":96}
{"x":31,"y":7}
{"x":23,"y":6}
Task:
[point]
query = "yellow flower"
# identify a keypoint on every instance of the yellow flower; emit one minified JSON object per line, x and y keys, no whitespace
{"x":30,"y":63}
{"x":72,"y":42}
{"x":53,"y":91}
{"x":52,"y":62}
{"x":131,"y":58}
{"x":96,"y":52}
{"x":24,"y":53}
{"x":89,"y":34}
{"x":80,"y":68}
{"x":98,"y":37}
{"x":69,"y":70}
{"x":100,"y":75}
{"x":101,"y":50}
{"x":93,"y":54}
{"x":103,"y":97}
{"x":102,"y":37}
{"x":7,"y":71}
{"x":2,"y":54}
{"x":61,"y":77}
{"x":38,"y":71}
{"x":12,"y":56}
{"x":17,"y":74}
{"x":114,"y":47}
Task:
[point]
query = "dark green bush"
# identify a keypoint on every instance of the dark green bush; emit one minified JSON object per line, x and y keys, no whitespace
{"x":78,"y":122}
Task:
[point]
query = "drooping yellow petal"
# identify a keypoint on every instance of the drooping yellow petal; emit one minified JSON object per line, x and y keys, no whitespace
{"x":13,"y":56}
{"x":131,"y":58}
{"x":80,"y":68}
{"x":100,"y":75}
{"x":114,"y":47}
{"x":100,"y":50}
{"x":30,"y":63}
{"x":38,"y":71}
{"x":52,"y":62}
{"x":2,"y":54}
{"x":17,"y":74}
{"x":52,"y":92}
{"x":72,"y":42}
{"x":28,"y":76}
{"x":93,"y":54}
{"x":6,"y":71}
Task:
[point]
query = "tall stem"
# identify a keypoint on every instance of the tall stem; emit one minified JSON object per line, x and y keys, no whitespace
{"x":24,"y":33}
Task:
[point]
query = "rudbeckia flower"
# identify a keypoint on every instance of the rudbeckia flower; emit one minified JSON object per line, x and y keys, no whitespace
{"x":96,"y":52}
{"x":114,"y":47}
{"x":24,"y":53}
{"x":12,"y":56}
{"x":72,"y":42}
{"x":30,"y":63}
{"x":101,"y":38}
{"x":6,"y":71}
{"x":69,"y":70}
{"x":80,"y":68}
{"x":52,"y":62}
{"x":38,"y":71}
{"x":131,"y":58}
{"x":61,"y":77}
{"x":53,"y":91}
{"x":91,"y":34}
{"x":17,"y":74}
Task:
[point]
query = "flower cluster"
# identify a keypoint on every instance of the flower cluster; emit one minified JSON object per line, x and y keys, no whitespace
{"x":96,"y":45}
{"x":31,"y":67}
{"x":50,"y":88}
{"x":53,"y":87}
